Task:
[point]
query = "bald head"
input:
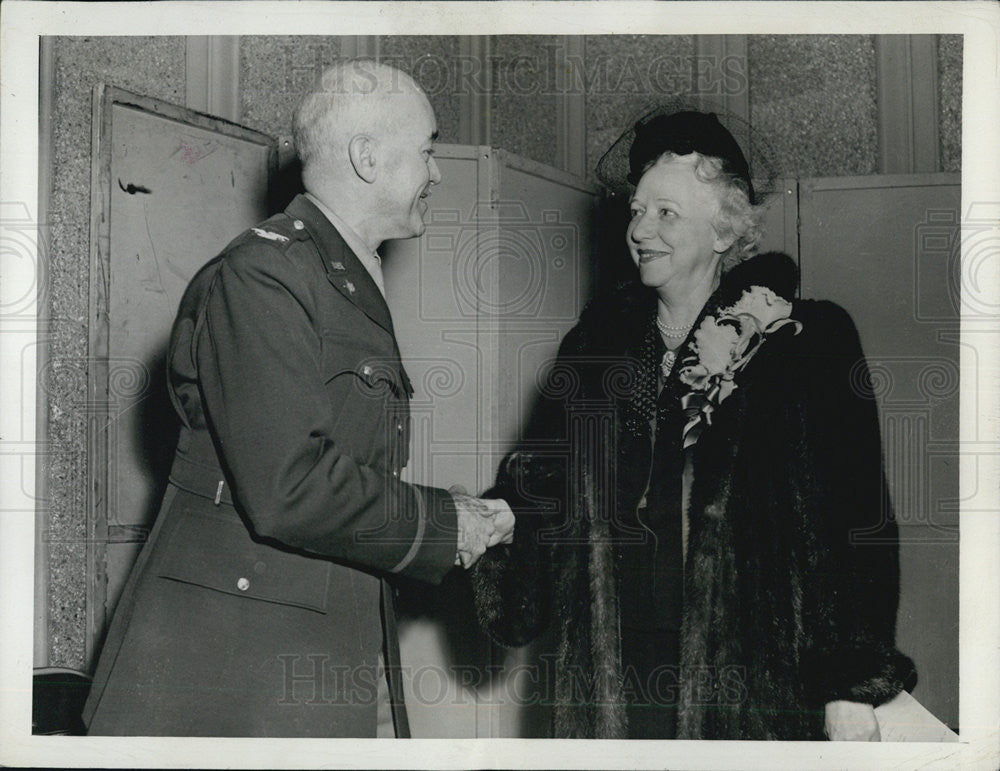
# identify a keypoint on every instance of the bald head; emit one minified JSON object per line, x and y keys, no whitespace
{"x":365,"y":137}
{"x":352,"y":98}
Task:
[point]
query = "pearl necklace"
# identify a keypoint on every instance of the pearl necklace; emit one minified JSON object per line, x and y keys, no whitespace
{"x":668,"y":331}
{"x":670,"y":357}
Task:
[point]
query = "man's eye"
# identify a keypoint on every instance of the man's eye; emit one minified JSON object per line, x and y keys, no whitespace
{"x":667,"y":212}
{"x":635,"y":213}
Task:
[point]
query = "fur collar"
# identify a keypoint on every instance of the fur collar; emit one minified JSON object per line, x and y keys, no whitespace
{"x":774,"y":270}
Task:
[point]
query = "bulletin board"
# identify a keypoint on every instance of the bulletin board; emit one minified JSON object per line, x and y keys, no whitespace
{"x":170,"y":188}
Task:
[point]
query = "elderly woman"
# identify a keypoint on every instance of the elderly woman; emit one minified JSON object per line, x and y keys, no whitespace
{"x":700,"y":496}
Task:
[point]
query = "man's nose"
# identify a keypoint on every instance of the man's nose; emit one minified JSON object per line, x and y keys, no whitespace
{"x":435,"y":171}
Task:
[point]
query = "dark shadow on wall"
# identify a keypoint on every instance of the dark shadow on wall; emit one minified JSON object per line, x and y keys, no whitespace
{"x":158,"y":426}
{"x":286,"y":184}
{"x":613,"y":263}
{"x":472,"y":661}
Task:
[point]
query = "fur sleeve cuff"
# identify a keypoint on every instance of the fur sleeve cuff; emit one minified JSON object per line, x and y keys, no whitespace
{"x":510,"y":589}
{"x":867,"y":675}
{"x":511,"y":583}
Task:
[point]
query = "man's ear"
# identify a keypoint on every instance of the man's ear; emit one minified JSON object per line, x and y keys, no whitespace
{"x":361,"y":149}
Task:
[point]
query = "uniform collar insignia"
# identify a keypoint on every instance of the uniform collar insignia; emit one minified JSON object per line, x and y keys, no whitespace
{"x":343,"y":268}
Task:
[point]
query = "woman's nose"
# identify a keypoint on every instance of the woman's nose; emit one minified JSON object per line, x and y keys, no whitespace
{"x":641,"y":228}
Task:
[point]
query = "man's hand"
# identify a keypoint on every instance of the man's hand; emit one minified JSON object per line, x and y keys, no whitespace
{"x":482,"y":523}
{"x":851,"y":721}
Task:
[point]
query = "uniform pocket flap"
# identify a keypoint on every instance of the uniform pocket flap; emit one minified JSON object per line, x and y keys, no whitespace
{"x":216,"y":552}
{"x":374,"y":373}
{"x":371,"y":381}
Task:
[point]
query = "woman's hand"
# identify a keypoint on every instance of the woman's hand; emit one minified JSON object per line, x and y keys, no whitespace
{"x":851,"y":721}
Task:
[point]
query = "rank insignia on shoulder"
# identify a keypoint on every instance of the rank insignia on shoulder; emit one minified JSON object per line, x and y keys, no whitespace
{"x":338,"y":266}
{"x":349,"y":286}
{"x":269,"y":235}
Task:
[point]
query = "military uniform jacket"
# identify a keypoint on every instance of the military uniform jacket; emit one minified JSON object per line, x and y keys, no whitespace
{"x":255,"y":608}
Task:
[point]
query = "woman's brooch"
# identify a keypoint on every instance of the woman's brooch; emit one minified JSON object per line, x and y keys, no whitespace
{"x":722,"y":346}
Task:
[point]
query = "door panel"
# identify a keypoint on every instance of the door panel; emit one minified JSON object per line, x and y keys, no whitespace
{"x":479,"y":303}
{"x":886,"y":249}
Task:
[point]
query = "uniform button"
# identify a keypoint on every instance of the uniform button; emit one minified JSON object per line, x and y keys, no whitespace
{"x":298,"y":224}
{"x":243,"y":584}
{"x":366,"y":371}
{"x":399,"y":428}
{"x":395,"y":473}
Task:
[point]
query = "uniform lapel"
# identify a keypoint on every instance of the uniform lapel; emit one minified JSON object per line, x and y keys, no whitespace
{"x":343,"y":269}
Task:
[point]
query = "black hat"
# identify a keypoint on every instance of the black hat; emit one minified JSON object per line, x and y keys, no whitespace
{"x":683,"y":133}
{"x":681,"y":125}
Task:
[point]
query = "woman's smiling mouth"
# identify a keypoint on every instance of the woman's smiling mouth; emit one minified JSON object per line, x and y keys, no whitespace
{"x":648,"y":255}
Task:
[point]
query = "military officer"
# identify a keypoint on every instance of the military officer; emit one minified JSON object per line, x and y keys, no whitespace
{"x":259,"y":605}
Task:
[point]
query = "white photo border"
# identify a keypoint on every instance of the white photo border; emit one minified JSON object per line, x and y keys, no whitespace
{"x":22,"y":24}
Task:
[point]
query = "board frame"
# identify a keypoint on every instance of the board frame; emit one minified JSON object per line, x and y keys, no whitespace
{"x":98,"y":409}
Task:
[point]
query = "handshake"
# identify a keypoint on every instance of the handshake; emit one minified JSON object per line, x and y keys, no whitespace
{"x":482,"y":523}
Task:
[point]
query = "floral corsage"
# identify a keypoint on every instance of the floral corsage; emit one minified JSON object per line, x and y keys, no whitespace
{"x":722,"y":346}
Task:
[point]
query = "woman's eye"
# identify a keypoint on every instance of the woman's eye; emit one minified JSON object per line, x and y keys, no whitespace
{"x":667,"y":212}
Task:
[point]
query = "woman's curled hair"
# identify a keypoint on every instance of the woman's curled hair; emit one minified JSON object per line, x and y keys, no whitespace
{"x":736,"y":216}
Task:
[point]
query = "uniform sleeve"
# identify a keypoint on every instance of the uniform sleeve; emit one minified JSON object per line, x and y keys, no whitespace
{"x":258,"y":359}
{"x":851,"y":594}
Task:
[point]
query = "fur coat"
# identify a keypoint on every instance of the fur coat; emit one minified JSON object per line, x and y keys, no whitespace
{"x":791,"y":568}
